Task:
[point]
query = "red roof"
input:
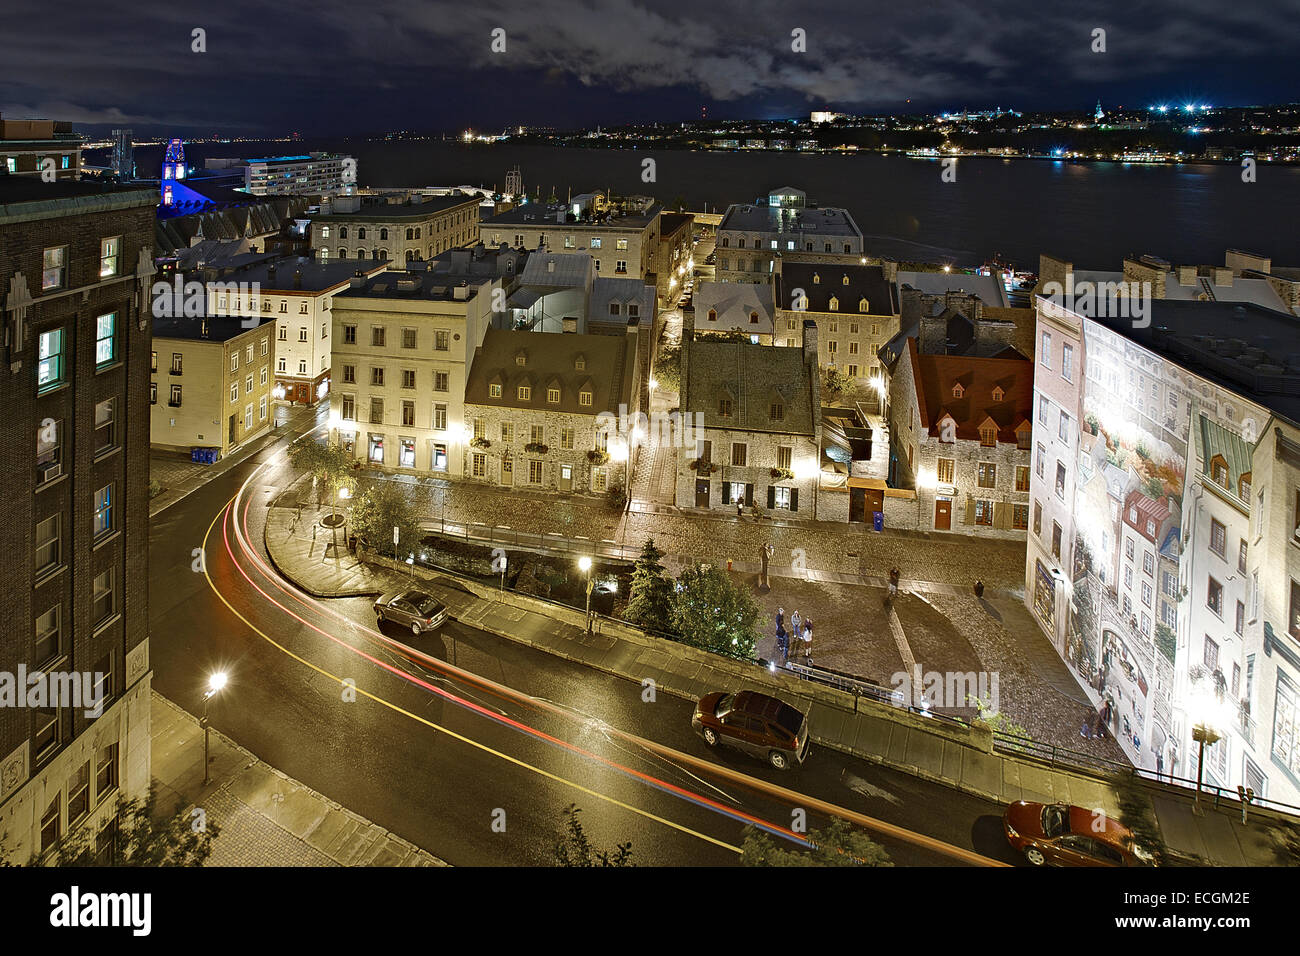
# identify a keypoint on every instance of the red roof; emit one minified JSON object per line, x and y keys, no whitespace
{"x":936,"y":375}
{"x":1155,"y":510}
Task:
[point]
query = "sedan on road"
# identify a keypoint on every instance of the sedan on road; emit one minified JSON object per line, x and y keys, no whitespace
{"x":1057,"y":834}
{"x":755,"y":723}
{"x":411,"y":608}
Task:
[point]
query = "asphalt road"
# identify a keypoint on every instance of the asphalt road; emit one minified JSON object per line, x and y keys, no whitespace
{"x":471,"y":774}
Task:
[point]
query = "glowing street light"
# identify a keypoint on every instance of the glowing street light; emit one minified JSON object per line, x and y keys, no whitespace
{"x":584,"y":565}
{"x":215,"y":683}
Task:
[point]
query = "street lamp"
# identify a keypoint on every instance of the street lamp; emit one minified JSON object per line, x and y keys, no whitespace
{"x":1206,"y":708}
{"x":584,"y":564}
{"x":215,"y":683}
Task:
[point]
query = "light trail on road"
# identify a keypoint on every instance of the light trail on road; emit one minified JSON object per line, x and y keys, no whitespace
{"x":234,"y":516}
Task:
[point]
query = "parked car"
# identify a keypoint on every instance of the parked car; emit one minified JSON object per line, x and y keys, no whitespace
{"x":411,"y":608}
{"x":1058,"y":834}
{"x":755,"y":723}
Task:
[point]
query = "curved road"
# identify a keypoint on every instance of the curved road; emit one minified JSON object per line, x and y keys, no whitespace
{"x":475,"y":762}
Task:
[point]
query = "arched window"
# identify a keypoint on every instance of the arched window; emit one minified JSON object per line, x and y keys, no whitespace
{"x":343,"y":253}
{"x":383,"y":234}
{"x":713,"y":315}
{"x":834,"y":305}
{"x":417,"y":232}
{"x":361,"y":232}
{"x":863,"y":305}
{"x":410,"y":234}
{"x":343,"y":232}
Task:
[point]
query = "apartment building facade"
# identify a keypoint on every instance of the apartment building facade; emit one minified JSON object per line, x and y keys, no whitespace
{"x":403,"y":346}
{"x":419,"y":227}
{"x":753,"y":237}
{"x":317,"y":174}
{"x":757,"y":415}
{"x":211,"y":384}
{"x":296,"y":293}
{"x":551,"y":412}
{"x":75,"y":268}
{"x":855,"y":307}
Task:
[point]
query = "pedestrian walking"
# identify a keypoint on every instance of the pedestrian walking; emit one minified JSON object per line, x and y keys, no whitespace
{"x":796,"y":627}
{"x":893,"y":582}
{"x":740,"y":508}
{"x":780,"y":619}
{"x":807,"y":642}
{"x":782,"y":644}
{"x":979,"y":588}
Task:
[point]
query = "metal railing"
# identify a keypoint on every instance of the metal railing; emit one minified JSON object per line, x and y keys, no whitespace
{"x":481,"y":532}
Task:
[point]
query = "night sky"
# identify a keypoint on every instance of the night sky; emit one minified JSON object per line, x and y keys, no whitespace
{"x":335,"y":67}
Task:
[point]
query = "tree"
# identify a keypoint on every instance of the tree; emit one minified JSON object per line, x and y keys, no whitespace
{"x":838,"y":385}
{"x":576,"y":850}
{"x":380,"y":508}
{"x":143,"y":839}
{"x":650,"y":604}
{"x":712,"y":613}
{"x":332,"y":470}
{"x":837,"y":844}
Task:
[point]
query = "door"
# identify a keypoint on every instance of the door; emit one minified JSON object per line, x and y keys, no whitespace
{"x":566,"y":477}
{"x":507,"y":472}
{"x":232,"y":429}
{"x":942,"y":515}
{"x":701,"y":493}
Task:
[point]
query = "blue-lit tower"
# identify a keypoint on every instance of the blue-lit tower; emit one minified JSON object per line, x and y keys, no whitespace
{"x":173,"y":170}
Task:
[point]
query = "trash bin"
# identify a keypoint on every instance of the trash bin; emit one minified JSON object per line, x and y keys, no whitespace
{"x":196,"y":455}
{"x":878,"y":520}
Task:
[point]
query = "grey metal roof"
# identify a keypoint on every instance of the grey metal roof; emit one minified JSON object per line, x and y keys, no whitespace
{"x":733,"y":302}
{"x":550,"y":359}
{"x":988,"y":288}
{"x":558,"y":270}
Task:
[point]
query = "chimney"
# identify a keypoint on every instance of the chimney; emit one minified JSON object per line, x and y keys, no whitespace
{"x":461,"y":292}
{"x":1187,"y":275}
{"x":569,"y":323}
{"x":1221,"y":275}
{"x":688,"y":342}
{"x":550,"y":265}
{"x":810,"y":343}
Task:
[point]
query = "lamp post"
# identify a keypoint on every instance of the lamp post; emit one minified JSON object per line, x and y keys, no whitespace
{"x":215,"y":683}
{"x":584,"y":563}
{"x":1203,"y":734}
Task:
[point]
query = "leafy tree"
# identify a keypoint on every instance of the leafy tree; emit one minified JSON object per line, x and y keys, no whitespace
{"x":144,"y":838}
{"x":332,"y":470}
{"x":1137,"y":813}
{"x":651,"y":602}
{"x":616,"y":493}
{"x":576,"y":850}
{"x":837,"y":844}
{"x":838,"y":386}
{"x":380,"y":508}
{"x":712,"y":613}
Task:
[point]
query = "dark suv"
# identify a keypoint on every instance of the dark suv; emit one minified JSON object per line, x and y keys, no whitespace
{"x":755,"y":723}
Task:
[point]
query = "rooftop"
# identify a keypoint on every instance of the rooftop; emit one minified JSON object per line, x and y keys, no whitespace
{"x":972,"y":391}
{"x":29,"y":197}
{"x":206,"y":328}
{"x":605,"y":365}
{"x":849,"y":284}
{"x":752,"y":377}
{"x":297,"y":273}
{"x":795,"y":221}
{"x":988,"y":288}
{"x":401,"y":211}
{"x":422,"y":285}
{"x":557,"y":214}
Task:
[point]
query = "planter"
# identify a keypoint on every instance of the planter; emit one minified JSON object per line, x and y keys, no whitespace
{"x":480,"y":443}
{"x":536,"y":448}
{"x":598,"y":457}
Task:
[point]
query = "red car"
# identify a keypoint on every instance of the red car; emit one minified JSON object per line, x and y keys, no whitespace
{"x":1062,"y":835}
{"x":755,"y":723}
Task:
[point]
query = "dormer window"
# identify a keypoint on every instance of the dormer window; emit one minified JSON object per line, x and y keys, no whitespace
{"x":864,"y":305}
{"x":1243,"y":487}
{"x":846,"y":279}
{"x":988,"y":436}
{"x":957,"y":390}
{"x":525,"y":393}
{"x":816,"y":279}
{"x":494,"y":391}
{"x":724,"y":408}
{"x":713,"y":315}
{"x":1219,"y":471}
{"x":998,"y":393}
{"x":777,"y":412}
{"x":579,"y":363}
{"x":584,"y":397}
{"x":753,"y":318}
{"x":833,"y":305}
{"x":521,"y":357}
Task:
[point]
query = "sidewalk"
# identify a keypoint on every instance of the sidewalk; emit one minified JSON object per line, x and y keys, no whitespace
{"x":955,"y":755}
{"x":266,"y":818}
{"x":179,"y":476}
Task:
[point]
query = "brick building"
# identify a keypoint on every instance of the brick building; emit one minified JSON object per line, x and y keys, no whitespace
{"x":75,"y":270}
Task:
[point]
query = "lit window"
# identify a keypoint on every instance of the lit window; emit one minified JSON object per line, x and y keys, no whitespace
{"x":108,"y":255}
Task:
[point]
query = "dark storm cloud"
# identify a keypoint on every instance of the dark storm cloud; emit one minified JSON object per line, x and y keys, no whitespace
{"x":349,"y":64}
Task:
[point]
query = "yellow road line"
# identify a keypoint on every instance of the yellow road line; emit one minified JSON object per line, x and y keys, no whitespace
{"x":451,"y":733}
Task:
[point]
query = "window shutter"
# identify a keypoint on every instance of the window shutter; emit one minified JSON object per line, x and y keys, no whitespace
{"x":1000,"y":514}
{"x":970,"y":510}
{"x":794,"y":499}
{"x":771,"y":497}
{"x":749,"y":494}
{"x":726,"y":492}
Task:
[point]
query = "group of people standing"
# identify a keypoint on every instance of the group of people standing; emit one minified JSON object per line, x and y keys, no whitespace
{"x":800,"y":630}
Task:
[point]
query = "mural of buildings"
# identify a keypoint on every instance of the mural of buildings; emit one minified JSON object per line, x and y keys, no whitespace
{"x":1163,"y":557}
